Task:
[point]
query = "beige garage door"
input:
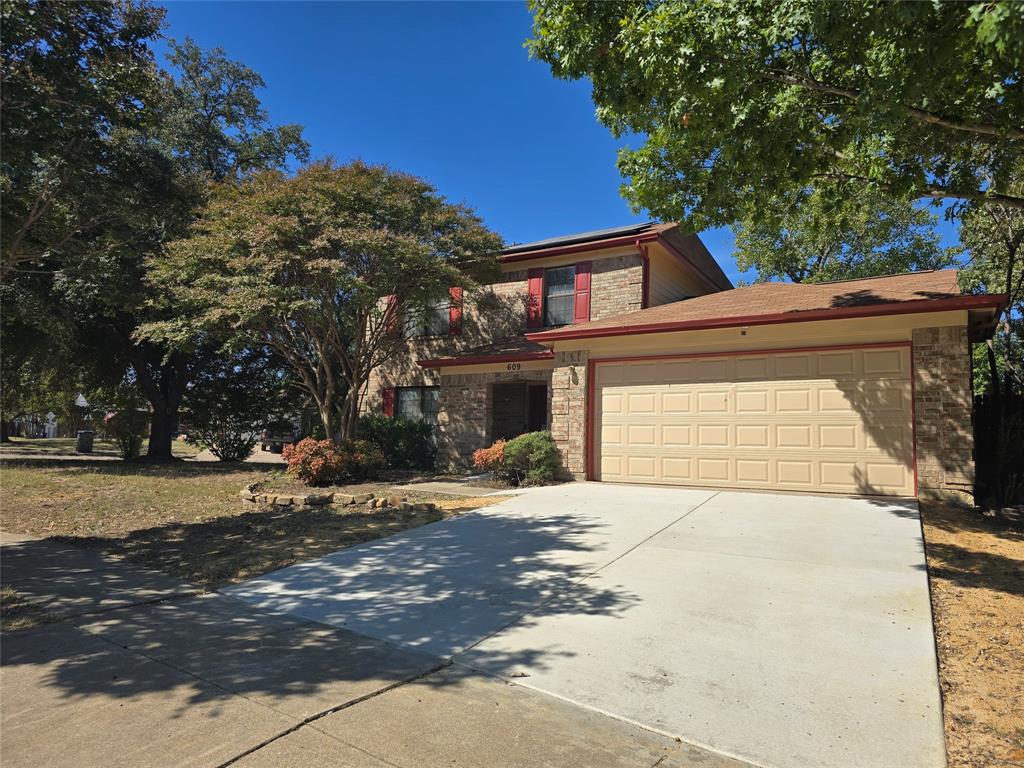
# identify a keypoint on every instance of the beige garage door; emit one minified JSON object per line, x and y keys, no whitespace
{"x":837,"y":420}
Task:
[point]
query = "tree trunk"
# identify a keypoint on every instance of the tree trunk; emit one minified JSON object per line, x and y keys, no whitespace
{"x":327,"y":416}
{"x":5,"y":436}
{"x":350,"y":415}
{"x":162,"y":426}
{"x":164,"y":387}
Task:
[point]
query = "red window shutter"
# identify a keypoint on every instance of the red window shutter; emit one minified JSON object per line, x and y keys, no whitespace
{"x":391,"y":315}
{"x":581,"y":307}
{"x":388,"y":401}
{"x":535,"y":306}
{"x":455,"y":311}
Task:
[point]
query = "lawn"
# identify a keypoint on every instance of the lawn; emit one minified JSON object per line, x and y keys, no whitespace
{"x":187,"y":519}
{"x":65,"y":446}
{"x":976,"y":569}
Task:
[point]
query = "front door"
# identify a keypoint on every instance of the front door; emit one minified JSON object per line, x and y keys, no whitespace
{"x":537,"y":408}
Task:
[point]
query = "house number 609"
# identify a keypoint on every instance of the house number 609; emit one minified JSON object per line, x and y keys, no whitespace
{"x":514,"y":366}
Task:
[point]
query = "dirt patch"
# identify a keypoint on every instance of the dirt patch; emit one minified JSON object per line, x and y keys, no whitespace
{"x":976,"y":569}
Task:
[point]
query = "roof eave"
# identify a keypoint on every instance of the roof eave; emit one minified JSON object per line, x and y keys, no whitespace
{"x":994,"y":300}
{"x":593,"y":245}
{"x":514,"y":357}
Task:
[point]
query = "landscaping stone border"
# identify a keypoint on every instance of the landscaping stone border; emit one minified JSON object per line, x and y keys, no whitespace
{"x":256,"y":499}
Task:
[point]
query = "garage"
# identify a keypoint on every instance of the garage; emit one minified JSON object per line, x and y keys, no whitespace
{"x":859,"y":387}
{"x":827,"y":420}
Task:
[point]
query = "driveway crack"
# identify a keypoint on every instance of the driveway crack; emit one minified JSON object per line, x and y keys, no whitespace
{"x":330,"y":711}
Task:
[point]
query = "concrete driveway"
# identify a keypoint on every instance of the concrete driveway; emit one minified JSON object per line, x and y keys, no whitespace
{"x":782,"y":630}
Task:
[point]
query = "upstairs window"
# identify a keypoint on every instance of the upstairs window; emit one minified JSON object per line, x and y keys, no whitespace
{"x":559,"y":293}
{"x":435,"y":320}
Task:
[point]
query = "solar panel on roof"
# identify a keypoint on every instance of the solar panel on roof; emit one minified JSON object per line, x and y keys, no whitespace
{"x":581,"y":237}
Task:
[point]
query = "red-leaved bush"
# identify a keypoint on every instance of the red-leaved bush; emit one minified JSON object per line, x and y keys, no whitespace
{"x":490,"y":459}
{"x":323,"y":462}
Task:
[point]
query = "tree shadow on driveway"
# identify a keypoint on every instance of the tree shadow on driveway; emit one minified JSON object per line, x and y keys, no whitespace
{"x":458,"y":581}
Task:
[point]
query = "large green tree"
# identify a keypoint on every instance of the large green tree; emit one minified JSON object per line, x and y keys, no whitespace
{"x":309,"y":266}
{"x":739,"y":103}
{"x":859,"y":233}
{"x":84,"y":214}
{"x":73,"y":75}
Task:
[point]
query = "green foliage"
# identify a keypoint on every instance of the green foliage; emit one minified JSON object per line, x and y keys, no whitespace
{"x":406,"y":444}
{"x":76,"y":77}
{"x":304,"y":265}
{"x":231,"y":400}
{"x":324,"y":462}
{"x":534,"y":458}
{"x":739,"y":103}
{"x":127,"y":422}
{"x":531,"y":459}
{"x":107,"y":158}
{"x":238,"y":139}
{"x":859,"y":233}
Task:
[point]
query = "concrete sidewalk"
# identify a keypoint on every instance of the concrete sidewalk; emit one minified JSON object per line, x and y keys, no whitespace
{"x":142,"y":672}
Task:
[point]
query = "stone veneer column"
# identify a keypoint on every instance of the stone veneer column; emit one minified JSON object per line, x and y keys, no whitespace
{"x":569,"y":409}
{"x":943,"y":407}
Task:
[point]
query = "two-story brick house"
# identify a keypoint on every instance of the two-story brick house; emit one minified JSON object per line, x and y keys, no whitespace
{"x":470,"y":367}
{"x":634,"y":349}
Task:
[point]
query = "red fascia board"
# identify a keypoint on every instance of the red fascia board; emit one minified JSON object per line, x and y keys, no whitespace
{"x":838,"y":313}
{"x":517,"y":357}
{"x":593,"y":245}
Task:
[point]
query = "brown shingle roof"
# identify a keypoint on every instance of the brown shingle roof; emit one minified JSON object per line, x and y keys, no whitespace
{"x":766,"y":303}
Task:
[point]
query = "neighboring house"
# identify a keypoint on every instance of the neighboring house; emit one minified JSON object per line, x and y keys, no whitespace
{"x":647,"y":366}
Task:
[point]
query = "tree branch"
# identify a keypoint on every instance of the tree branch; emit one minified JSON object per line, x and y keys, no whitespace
{"x":924,"y":116}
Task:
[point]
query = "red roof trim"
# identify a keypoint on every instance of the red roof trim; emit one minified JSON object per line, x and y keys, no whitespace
{"x":513,"y":357}
{"x":593,"y":245}
{"x":835,"y":313}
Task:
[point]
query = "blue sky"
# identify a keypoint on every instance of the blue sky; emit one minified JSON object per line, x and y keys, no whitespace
{"x":445,"y":91}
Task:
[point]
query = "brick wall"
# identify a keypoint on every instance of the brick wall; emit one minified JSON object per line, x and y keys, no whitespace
{"x":464,"y":418}
{"x":498,"y":312}
{"x":617,"y":286}
{"x":569,"y":409}
{"x":943,"y":403}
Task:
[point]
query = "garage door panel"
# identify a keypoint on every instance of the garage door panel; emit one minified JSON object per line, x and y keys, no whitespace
{"x":836,"y":364}
{"x":684,"y":425}
{"x":676,"y":436}
{"x":752,"y":401}
{"x":753,"y":368}
{"x":640,"y":435}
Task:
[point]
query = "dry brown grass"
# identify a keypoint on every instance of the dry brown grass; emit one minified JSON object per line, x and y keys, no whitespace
{"x":17,"y":613}
{"x":187,"y":519}
{"x":976,"y":568}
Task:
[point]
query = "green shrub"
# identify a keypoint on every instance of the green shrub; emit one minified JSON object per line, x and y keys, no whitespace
{"x":128,"y":428}
{"x":531,"y":459}
{"x":323,"y":462}
{"x":406,"y":444}
{"x":534,"y":457}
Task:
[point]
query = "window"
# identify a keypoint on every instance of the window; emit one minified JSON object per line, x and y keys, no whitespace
{"x":433,"y":321}
{"x":559,"y":295}
{"x":417,"y":403}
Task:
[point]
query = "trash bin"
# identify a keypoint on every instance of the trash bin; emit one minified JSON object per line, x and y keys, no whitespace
{"x":84,"y":444}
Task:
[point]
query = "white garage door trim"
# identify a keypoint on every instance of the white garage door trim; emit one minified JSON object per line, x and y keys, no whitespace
{"x":826,"y":381}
